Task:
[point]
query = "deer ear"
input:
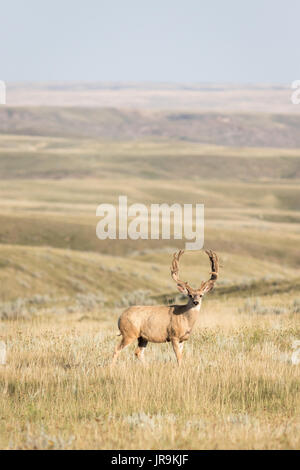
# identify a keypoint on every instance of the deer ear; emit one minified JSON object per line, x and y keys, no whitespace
{"x":182,"y":289}
{"x":209,"y":285}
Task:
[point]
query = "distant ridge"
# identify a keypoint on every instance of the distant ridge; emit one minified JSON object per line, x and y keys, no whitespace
{"x":218,"y":128}
{"x":269,"y":98}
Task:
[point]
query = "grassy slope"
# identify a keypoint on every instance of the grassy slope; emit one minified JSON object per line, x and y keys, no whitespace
{"x":62,"y":274}
{"x":46,"y":212}
{"x":37,"y":157}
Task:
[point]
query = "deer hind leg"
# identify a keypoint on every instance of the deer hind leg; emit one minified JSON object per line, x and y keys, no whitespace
{"x":177,"y":347}
{"x":124,"y":342}
{"x":139,"y":352}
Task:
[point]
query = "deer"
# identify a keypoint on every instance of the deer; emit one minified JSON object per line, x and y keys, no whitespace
{"x":160,"y":324}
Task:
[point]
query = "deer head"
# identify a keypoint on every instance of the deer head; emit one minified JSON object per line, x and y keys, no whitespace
{"x":195,"y":294}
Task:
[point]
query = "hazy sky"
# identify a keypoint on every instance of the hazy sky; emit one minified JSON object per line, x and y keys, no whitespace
{"x":158,"y":40}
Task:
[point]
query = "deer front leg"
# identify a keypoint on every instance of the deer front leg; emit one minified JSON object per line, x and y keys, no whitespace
{"x":177,"y":347}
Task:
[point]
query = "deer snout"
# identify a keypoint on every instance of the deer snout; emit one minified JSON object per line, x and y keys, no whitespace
{"x":197,"y":299}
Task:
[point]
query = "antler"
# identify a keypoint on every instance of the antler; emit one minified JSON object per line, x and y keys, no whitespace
{"x":205,"y":286}
{"x":214,"y":261}
{"x":175,"y":271}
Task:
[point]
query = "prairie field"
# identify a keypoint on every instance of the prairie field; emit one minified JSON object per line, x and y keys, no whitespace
{"x":236,"y":389}
{"x":62,"y":289}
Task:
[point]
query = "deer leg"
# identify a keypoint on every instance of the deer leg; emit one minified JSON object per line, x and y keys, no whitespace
{"x":124,"y":342}
{"x":177,"y":347}
{"x":139,"y":352}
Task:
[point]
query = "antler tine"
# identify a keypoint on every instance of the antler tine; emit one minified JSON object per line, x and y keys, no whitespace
{"x":214,"y":261}
{"x":175,"y":269}
{"x":174,"y":266}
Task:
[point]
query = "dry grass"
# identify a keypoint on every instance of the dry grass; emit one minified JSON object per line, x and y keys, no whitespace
{"x":237,"y":388}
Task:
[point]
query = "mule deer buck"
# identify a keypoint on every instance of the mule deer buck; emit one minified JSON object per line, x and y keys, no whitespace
{"x":159,"y":324}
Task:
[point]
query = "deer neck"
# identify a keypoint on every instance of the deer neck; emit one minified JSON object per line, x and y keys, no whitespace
{"x":190,"y":311}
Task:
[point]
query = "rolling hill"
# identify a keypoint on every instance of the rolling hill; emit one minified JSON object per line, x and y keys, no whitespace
{"x":218,"y":128}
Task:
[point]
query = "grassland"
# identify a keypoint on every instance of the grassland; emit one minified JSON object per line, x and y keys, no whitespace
{"x":238,"y":388}
{"x":61,"y":291}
